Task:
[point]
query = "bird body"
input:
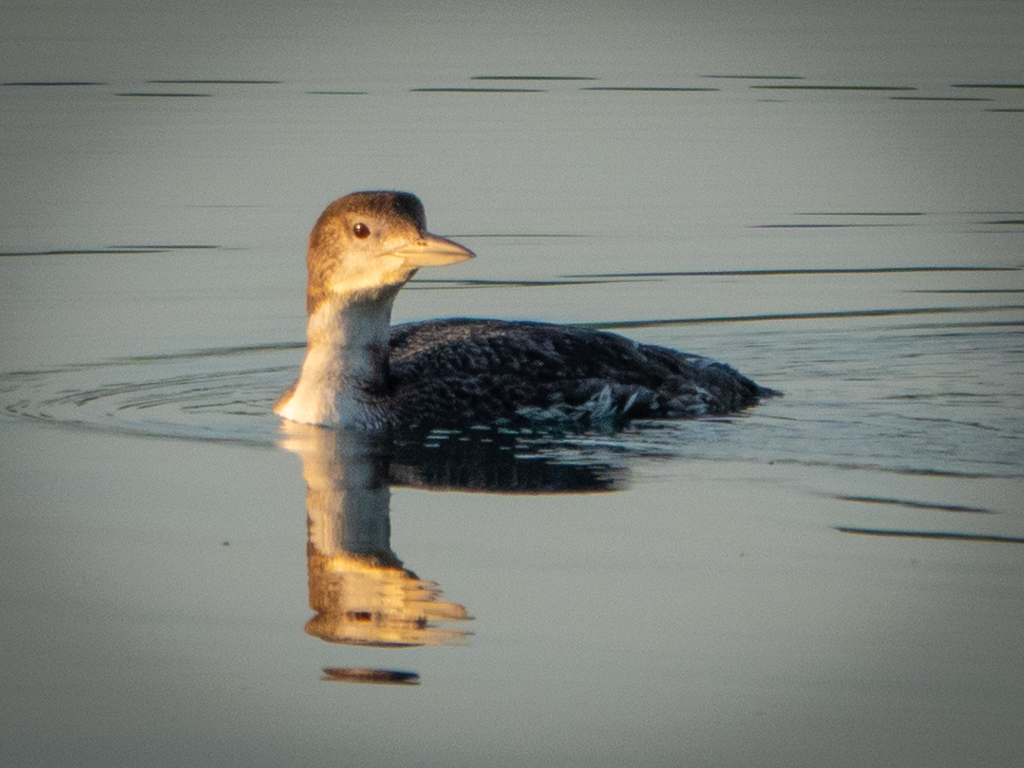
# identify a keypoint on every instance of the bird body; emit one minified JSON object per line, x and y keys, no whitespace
{"x":359,"y":372}
{"x":460,"y":369}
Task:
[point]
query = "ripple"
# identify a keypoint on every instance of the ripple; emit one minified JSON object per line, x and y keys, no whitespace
{"x":913,"y":504}
{"x":214,"y":82}
{"x":836,"y":315}
{"x":532,"y":77}
{"x":476,"y":90}
{"x":919,"y":399}
{"x":835,"y":87}
{"x":649,"y":89}
{"x":53,"y":84}
{"x":947,"y":535}
{"x":117,"y":250}
{"x":1001,"y":86}
{"x":754,"y":77}
{"x":157,"y":95}
{"x":219,"y":395}
{"x":785,"y":272}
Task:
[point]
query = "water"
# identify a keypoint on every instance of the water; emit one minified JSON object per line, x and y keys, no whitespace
{"x":828,"y":200}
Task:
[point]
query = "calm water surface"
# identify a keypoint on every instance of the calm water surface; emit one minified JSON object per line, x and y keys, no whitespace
{"x":831,"y":202}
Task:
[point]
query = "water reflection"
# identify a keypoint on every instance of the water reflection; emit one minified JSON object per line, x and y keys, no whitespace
{"x":361,"y":592}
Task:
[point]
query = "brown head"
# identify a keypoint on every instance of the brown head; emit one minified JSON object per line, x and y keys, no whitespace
{"x":365,"y":247}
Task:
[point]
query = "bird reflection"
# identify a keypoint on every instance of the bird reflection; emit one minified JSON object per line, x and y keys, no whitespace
{"x":359,"y":589}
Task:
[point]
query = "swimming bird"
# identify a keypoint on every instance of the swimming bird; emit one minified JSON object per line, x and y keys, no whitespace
{"x":360,"y":372}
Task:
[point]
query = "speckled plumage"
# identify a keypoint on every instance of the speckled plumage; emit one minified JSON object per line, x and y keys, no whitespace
{"x":465,"y":371}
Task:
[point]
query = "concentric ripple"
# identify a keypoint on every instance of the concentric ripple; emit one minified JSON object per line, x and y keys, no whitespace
{"x":941,"y":398}
{"x":221,"y":395}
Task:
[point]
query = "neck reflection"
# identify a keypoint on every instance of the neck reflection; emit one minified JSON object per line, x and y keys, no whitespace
{"x":361,"y":592}
{"x":359,"y":589}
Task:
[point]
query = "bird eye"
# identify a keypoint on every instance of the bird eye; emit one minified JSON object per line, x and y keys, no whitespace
{"x":361,"y":231}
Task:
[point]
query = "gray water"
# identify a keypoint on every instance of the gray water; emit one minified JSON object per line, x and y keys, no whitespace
{"x":828,"y":199}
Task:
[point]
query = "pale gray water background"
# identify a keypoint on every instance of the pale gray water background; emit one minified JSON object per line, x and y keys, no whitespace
{"x":834,"y":578}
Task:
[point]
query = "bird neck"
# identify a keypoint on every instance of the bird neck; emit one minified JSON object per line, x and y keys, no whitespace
{"x":346,"y":365}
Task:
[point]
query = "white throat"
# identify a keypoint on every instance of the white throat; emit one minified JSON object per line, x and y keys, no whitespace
{"x":345,"y":371}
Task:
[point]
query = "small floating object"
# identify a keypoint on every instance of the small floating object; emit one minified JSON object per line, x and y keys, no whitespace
{"x":370,"y":676}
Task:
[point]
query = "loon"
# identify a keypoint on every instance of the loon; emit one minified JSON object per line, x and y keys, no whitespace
{"x":361,"y":373}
